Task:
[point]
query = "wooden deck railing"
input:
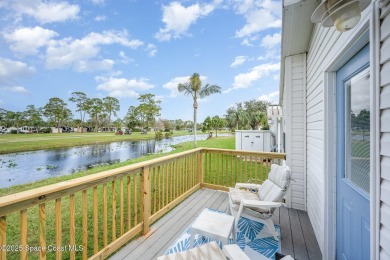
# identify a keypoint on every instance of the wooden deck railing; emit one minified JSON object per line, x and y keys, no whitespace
{"x":93,"y":216}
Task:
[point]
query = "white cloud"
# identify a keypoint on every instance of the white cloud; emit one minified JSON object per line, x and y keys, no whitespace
{"x":10,"y":72}
{"x":28,"y":40}
{"x":246,"y":42}
{"x":122,"y":87}
{"x":245,"y":80}
{"x":100,"y":18}
{"x":98,"y":2}
{"x":255,"y":25}
{"x":80,"y":54}
{"x":178,"y":18}
{"x":10,"y":69}
{"x":271,"y":41}
{"x":124,"y":58}
{"x":93,"y":65}
{"x":259,"y":16}
{"x":152,"y":50}
{"x":239,"y":60}
{"x":44,"y":11}
{"x":17,"y":89}
{"x":272,"y":97}
{"x":75,"y":53}
{"x":270,"y":54}
{"x":172,"y":84}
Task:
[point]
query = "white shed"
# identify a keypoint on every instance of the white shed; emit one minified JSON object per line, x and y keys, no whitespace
{"x":254,"y":140}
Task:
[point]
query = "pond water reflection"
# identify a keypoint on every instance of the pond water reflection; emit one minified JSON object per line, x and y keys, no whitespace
{"x":26,"y":167}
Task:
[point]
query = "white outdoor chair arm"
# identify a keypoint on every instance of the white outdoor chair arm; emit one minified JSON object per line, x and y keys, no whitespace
{"x":257,"y":203}
{"x":247,"y":185}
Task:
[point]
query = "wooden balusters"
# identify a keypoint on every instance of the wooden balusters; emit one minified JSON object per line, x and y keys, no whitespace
{"x":42,"y":230}
{"x":84,"y":224}
{"x":72,"y":226}
{"x":135,"y":201}
{"x":95,"y":221}
{"x":128,"y":188}
{"x":23,"y":233}
{"x":105,"y":218}
{"x":58,"y":227}
{"x":113,"y":210}
{"x":121,"y":217}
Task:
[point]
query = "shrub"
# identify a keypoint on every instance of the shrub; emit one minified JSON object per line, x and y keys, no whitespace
{"x":265,"y":127}
{"x":158,"y":135}
{"x":13,"y":132}
{"x":168,"y":134}
{"x":45,"y":130}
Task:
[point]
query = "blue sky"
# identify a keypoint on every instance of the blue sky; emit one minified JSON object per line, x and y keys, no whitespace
{"x":129,"y":47}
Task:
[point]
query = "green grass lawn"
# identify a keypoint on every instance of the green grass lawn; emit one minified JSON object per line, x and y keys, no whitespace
{"x":29,"y":142}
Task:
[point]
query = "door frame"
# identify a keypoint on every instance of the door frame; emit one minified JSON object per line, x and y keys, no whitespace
{"x":366,"y":31}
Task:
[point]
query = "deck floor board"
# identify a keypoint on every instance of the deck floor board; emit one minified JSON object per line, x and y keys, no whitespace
{"x":295,"y":226}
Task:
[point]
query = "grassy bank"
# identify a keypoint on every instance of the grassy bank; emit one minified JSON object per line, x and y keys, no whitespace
{"x":31,"y":142}
{"x":219,"y":142}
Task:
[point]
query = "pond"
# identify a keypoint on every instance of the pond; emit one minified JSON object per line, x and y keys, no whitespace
{"x":26,"y":167}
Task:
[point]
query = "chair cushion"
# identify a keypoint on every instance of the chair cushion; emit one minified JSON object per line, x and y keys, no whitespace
{"x":280,"y":175}
{"x":236,"y":195}
{"x":269,"y":191}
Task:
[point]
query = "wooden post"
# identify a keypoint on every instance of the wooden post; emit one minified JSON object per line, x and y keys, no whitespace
{"x":200,"y":168}
{"x":3,"y":237}
{"x":145,"y":199}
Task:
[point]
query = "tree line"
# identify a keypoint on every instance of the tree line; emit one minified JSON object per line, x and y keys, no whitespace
{"x":100,"y":111}
{"x":248,"y":114}
{"x":244,"y":115}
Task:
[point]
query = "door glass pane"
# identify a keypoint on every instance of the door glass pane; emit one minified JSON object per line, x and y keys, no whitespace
{"x":357,"y":130}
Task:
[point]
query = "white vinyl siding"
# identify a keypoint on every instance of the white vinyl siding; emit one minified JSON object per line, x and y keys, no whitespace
{"x":294,"y":107}
{"x":384,"y":234}
{"x":323,"y":50}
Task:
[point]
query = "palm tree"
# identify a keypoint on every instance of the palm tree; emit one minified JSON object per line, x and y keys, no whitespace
{"x":195,"y":89}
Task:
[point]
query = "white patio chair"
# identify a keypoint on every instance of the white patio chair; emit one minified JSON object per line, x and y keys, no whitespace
{"x":260,"y":205}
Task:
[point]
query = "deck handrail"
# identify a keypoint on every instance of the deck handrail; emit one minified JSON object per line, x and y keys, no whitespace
{"x":153,"y":187}
{"x":39,"y":195}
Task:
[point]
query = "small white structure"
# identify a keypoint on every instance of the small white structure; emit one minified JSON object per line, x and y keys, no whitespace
{"x":28,"y":130}
{"x":274,"y":113}
{"x":254,"y":140}
{"x":56,"y":130}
